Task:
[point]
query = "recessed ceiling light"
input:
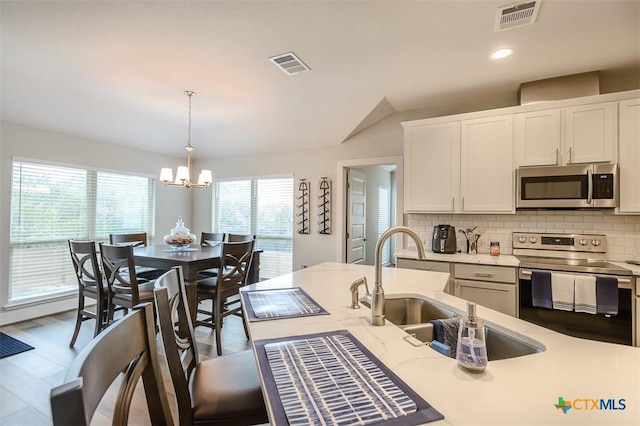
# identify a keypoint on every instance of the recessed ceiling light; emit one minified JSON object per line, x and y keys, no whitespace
{"x":501,"y":53}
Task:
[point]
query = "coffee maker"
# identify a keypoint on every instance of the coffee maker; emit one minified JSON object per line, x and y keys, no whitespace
{"x":444,"y":239}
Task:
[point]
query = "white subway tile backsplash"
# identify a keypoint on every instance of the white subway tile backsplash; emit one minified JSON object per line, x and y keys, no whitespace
{"x":623,"y":232}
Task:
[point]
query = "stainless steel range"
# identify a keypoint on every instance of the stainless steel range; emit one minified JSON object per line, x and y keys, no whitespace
{"x":577,"y":255}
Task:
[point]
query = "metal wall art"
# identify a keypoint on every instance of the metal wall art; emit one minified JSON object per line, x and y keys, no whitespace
{"x":302,"y":205}
{"x":324,"y":213}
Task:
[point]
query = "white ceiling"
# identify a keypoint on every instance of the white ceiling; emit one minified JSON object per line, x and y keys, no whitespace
{"x":116,"y":71}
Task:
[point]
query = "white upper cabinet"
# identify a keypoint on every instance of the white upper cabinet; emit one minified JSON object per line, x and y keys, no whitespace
{"x":590,"y":133}
{"x":432,"y":167}
{"x":487,"y":172}
{"x":466,"y":163}
{"x":460,"y":166}
{"x":537,"y":138}
{"x":629,"y":156}
{"x":571,"y":135}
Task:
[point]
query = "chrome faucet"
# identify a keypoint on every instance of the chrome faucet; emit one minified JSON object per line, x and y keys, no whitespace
{"x":377,"y":298}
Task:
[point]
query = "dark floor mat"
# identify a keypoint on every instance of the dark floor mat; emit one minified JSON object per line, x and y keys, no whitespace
{"x":10,"y":346}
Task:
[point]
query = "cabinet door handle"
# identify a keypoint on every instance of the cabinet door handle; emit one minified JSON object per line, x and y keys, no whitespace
{"x":453,"y":204}
{"x":570,"y":155}
{"x":557,"y":156}
{"x":462,"y":203}
{"x":483,"y":274}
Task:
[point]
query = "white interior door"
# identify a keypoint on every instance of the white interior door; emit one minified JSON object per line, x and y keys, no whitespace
{"x":356,"y":219}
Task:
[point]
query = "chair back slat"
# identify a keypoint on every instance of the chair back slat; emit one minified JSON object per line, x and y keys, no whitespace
{"x":85,"y":264}
{"x":212,"y":238}
{"x":136,"y":240}
{"x":127,"y":346}
{"x":235,"y":262}
{"x":91,"y":284}
{"x":239,"y":238}
{"x":177,"y":336}
{"x":119,"y":269}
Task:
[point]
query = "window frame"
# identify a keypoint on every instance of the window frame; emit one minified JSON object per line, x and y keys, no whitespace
{"x":254,"y":212}
{"x":90,"y":223}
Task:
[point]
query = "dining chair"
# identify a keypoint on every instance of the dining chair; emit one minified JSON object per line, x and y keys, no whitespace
{"x":138,"y":239}
{"x":224,"y":290}
{"x":125,"y":352}
{"x":223,"y":390}
{"x":235,"y":238}
{"x":210,"y":239}
{"x":91,"y":284}
{"x":125,"y":290}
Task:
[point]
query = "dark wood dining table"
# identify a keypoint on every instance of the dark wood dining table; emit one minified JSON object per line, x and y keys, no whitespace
{"x":192,"y":261}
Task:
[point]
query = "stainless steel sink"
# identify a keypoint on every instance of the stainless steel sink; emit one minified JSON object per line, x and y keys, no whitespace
{"x":413,"y":316}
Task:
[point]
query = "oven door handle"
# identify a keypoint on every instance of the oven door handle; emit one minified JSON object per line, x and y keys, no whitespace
{"x":622,"y":282}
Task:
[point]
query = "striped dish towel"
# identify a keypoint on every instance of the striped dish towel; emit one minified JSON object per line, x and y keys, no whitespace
{"x":562,"y":291}
{"x":585,"y":294}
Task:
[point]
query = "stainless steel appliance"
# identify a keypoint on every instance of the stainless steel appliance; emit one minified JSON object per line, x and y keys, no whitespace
{"x":575,"y":254}
{"x":581,"y":186}
{"x":444,"y":239}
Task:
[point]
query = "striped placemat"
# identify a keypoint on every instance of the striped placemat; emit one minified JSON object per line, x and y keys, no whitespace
{"x":332,"y":379}
{"x":280,"y":303}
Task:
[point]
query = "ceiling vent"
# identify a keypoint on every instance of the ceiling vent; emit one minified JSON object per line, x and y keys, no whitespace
{"x":289,"y":63}
{"x":517,"y":15}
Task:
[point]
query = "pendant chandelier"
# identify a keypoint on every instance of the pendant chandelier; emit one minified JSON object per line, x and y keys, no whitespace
{"x":183,"y":173}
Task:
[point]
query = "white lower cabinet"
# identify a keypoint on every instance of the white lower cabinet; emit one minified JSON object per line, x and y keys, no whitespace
{"x":490,"y":286}
{"x":427,"y":265}
{"x":487,"y":285}
{"x":497,"y":296}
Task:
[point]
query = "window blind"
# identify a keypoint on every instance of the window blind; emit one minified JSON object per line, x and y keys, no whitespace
{"x":384,"y":220}
{"x":52,"y":204}
{"x":263,"y":207}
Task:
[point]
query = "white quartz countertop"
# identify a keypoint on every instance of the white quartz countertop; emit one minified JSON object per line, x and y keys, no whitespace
{"x":516,"y":391}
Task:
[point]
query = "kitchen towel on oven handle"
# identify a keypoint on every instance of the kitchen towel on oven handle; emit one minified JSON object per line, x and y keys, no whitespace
{"x":562,"y":290}
{"x":607,"y":295}
{"x":586,"y":294}
{"x":541,"y":289}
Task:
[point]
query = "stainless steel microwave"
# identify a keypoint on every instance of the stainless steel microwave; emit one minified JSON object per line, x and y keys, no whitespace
{"x":584,"y":186}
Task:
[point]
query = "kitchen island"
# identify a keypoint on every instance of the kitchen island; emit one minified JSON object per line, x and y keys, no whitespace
{"x":517,"y":391}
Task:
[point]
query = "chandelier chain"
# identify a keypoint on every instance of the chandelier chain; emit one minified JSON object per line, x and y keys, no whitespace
{"x":190,"y":94}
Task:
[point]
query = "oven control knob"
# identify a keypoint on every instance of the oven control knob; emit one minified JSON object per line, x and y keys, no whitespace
{"x":533,"y":240}
{"x":583,"y":242}
{"x":522,"y":239}
{"x":595,"y":243}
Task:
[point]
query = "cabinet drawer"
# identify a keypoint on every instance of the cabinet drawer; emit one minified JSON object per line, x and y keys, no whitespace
{"x":499,"y":297}
{"x":424,"y":265}
{"x":502,"y":274}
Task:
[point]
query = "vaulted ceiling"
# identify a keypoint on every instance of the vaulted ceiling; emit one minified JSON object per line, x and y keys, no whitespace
{"x":116,"y":71}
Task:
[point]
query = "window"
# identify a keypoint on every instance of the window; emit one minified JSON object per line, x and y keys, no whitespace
{"x":384,"y":221}
{"x":263,"y":207}
{"x":51,"y":204}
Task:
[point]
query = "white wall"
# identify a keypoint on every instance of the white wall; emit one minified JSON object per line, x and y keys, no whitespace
{"x":382,"y":140}
{"x":29,"y":142}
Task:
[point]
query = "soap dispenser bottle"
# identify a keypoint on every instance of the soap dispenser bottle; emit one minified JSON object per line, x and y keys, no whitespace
{"x":472,"y":349}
